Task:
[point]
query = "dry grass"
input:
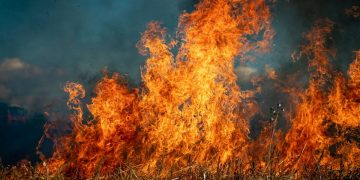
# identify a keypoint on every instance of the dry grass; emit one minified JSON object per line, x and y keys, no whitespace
{"x":24,"y":170}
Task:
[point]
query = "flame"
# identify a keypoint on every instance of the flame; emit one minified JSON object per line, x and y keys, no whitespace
{"x":325,"y":110}
{"x":190,"y":111}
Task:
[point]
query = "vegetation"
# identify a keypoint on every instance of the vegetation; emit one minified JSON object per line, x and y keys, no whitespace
{"x":231,"y":170}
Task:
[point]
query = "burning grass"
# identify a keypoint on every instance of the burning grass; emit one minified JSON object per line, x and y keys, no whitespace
{"x":190,"y":118}
{"x":230,"y":170}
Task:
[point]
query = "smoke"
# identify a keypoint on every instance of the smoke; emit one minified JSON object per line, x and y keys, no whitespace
{"x":75,"y":40}
{"x":46,"y":43}
{"x":291,"y":19}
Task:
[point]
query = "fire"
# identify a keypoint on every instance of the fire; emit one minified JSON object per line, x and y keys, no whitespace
{"x":190,"y":111}
{"x":327,"y":109}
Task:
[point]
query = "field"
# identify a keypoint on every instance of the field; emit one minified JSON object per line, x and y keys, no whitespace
{"x":24,"y":170}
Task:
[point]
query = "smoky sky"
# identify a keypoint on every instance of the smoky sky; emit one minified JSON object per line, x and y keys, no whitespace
{"x":73,"y":40}
{"x":45,"y":43}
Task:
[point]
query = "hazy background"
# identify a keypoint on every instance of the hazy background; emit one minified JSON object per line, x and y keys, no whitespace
{"x":45,"y":43}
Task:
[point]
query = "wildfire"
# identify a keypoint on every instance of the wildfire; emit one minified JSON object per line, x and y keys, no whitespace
{"x":326,"y":111}
{"x":190,"y":111}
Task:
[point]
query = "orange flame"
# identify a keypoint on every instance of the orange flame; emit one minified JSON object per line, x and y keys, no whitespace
{"x":190,"y":110}
{"x":327,"y":108}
